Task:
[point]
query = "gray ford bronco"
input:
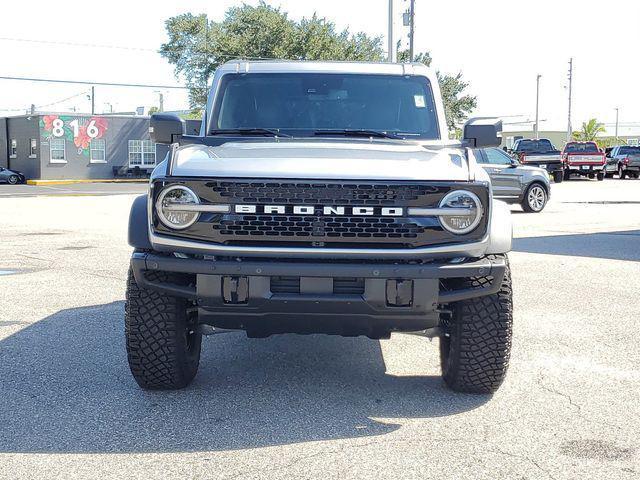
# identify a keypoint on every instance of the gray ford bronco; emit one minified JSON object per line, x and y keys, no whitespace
{"x":320,"y":198}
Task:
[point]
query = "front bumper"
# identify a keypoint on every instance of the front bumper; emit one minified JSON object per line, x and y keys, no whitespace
{"x":239,"y":295}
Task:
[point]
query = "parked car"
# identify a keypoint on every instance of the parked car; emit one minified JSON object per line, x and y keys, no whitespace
{"x":513,"y":182}
{"x":623,"y":160}
{"x":583,"y":158}
{"x":539,"y":153}
{"x":11,"y":176}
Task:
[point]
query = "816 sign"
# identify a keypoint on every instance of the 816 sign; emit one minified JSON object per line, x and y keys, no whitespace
{"x":58,"y":128}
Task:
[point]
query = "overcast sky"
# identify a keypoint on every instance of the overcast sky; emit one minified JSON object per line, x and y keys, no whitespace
{"x":499,"y":45}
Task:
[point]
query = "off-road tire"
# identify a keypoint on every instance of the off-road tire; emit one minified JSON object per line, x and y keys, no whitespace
{"x":558,"y":176}
{"x":475,"y":355}
{"x":600,"y":176}
{"x":163,"y":341}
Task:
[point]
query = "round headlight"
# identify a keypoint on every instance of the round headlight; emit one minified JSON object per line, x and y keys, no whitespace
{"x":173,"y":205}
{"x":470,"y":211}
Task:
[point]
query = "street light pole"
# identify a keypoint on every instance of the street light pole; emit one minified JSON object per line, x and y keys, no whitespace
{"x":569,"y":130}
{"x":617,"y":112}
{"x":537,"y":129}
{"x":390,"y":34}
{"x":411,"y":28}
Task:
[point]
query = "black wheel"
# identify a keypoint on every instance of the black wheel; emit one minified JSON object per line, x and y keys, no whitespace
{"x":474,"y":353}
{"x":13,"y":179}
{"x":634,"y":174}
{"x":621,"y":172}
{"x":592,"y":176}
{"x":600,"y":176}
{"x":608,"y":175}
{"x":558,"y":176}
{"x":535,"y":198}
{"x":163,"y":341}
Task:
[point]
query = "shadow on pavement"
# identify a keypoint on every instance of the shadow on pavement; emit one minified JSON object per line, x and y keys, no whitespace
{"x":622,"y":245}
{"x":65,"y":387}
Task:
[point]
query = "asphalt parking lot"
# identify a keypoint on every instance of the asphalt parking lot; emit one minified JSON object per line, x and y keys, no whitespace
{"x":320,"y":407}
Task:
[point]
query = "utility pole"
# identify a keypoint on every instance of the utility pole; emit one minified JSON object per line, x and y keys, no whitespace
{"x":161,"y":102}
{"x":93,"y":100}
{"x":617,"y":112}
{"x":411,"y":28}
{"x":569,"y":132}
{"x":390,"y":34}
{"x":536,"y":125}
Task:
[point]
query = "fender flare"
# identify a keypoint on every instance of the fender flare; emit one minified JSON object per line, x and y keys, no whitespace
{"x":138,"y":236}
{"x":501,"y":229}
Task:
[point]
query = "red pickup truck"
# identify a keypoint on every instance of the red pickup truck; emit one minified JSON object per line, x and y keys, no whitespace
{"x":583,"y":158}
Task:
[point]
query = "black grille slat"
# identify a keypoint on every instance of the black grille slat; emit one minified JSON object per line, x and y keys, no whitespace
{"x":304,"y":193}
{"x":341,"y":285}
{"x":290,"y":285}
{"x":276,"y":226}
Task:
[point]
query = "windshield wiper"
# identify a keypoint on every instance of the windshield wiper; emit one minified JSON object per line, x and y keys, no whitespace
{"x":249,"y":131}
{"x":358,"y":133}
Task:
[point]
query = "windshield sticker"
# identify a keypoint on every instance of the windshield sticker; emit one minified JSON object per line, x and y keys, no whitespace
{"x":419,"y":101}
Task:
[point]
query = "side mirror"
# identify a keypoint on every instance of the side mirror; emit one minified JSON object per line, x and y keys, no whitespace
{"x":482,"y":132}
{"x":166,"y":127}
{"x":514,"y":163}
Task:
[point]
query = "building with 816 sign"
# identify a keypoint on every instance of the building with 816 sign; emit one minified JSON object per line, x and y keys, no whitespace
{"x":52,"y":146}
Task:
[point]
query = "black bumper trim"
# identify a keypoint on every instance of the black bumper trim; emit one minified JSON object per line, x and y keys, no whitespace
{"x":484,"y":267}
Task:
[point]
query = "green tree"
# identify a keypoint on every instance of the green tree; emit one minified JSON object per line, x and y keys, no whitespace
{"x":589,"y":131}
{"x":197,"y":46}
{"x":457,"y":105}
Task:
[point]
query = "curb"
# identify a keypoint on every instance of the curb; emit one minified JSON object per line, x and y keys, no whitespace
{"x":104,"y":180}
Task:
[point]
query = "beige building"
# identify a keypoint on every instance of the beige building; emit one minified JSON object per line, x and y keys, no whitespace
{"x":559,"y":138}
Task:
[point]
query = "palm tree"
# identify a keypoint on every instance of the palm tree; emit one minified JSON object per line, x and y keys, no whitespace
{"x":589,"y":131}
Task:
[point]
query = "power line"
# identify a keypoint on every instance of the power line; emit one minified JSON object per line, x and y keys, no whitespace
{"x":49,"y":80}
{"x":73,"y":44}
{"x":63,"y":100}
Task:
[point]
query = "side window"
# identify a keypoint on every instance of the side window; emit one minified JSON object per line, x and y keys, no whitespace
{"x":97,"y":151}
{"x":57,"y":150}
{"x":497,"y":157}
{"x":135,"y":153}
{"x":479,"y":155}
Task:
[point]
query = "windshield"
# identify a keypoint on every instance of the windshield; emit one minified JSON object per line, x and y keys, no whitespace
{"x":305,"y":103}
{"x":581,"y":148}
{"x":541,"y":146}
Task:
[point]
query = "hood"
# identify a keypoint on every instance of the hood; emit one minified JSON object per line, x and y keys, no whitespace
{"x":323,"y":159}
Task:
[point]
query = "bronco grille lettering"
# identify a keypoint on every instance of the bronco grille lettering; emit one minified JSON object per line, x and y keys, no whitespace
{"x":324,"y":210}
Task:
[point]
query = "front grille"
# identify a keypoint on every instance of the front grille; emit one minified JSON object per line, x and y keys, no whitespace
{"x":331,"y":227}
{"x":351,"y":230}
